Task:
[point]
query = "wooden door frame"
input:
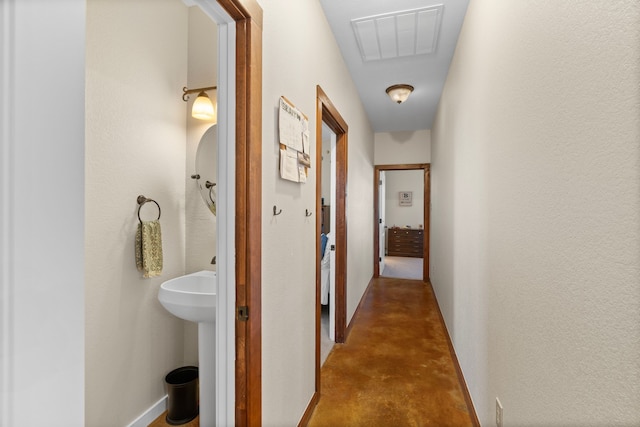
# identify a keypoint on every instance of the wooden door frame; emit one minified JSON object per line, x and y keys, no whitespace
{"x":327,"y":113}
{"x":248,"y":231}
{"x":426,"y":167}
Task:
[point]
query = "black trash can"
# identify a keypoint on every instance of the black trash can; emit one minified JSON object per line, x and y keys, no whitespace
{"x":182,"y":391}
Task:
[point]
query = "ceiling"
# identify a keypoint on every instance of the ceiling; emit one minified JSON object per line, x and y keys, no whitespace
{"x":413,"y":47}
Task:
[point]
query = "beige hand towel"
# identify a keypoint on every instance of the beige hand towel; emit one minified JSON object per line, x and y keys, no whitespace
{"x":149,"y":248}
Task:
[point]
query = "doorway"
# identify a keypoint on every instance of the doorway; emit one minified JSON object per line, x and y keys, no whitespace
{"x":327,"y":241}
{"x":66,"y":75}
{"x":240,"y":42}
{"x":328,"y":118}
{"x":382,"y":230}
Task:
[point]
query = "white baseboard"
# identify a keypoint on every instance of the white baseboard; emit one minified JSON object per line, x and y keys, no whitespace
{"x":150,"y":414}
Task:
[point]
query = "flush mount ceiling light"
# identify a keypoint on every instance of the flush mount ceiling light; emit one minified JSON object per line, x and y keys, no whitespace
{"x":202,"y":108}
{"x":399,"y":93}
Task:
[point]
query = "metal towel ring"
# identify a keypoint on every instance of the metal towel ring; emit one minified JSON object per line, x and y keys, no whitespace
{"x":141,"y":201}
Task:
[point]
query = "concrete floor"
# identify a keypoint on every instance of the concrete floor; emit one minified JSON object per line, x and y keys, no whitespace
{"x":396,"y":368}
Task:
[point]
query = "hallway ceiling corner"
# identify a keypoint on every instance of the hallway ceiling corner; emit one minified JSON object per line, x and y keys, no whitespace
{"x":387,"y":42}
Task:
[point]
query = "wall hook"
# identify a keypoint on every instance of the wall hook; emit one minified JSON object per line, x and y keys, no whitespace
{"x":276,"y":211}
{"x":307,"y":213}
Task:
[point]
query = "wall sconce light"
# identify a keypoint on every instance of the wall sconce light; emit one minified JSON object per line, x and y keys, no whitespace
{"x":202,"y":108}
{"x":399,"y":93}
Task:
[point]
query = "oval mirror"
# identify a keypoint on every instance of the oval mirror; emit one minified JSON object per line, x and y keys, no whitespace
{"x":206,"y":167}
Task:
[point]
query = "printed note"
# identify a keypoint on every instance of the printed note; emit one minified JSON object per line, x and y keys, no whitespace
{"x":289,"y":165}
{"x":290,"y":123}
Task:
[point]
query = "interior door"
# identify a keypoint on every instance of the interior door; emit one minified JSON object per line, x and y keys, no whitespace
{"x":381,"y":221}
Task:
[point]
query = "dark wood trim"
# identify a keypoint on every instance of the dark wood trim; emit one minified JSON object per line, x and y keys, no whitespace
{"x":248,"y":232}
{"x":427,"y":224}
{"x":239,"y":10}
{"x":454,"y":358}
{"x":426,"y":167}
{"x":253,"y":225}
{"x":318,"y":241}
{"x":306,"y":417}
{"x":376,"y":222}
{"x":327,"y":113}
{"x":341,"y":238}
{"x":402,"y":167}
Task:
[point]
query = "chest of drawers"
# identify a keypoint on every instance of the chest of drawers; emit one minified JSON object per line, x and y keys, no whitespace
{"x":405,"y":242}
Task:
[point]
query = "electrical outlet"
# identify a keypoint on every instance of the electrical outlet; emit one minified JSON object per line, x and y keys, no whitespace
{"x":498,"y":413}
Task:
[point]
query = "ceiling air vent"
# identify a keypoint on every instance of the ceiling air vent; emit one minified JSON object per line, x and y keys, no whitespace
{"x":398,"y":34}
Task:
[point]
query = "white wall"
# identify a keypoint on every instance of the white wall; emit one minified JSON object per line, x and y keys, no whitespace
{"x":42,"y":213}
{"x":299,"y":52}
{"x":396,"y":148}
{"x":536,"y":210}
{"x":404,"y":180}
{"x":136,"y":67}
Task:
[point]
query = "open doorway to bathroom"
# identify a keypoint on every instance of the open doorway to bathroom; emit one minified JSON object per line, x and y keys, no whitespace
{"x":239,"y":235}
{"x":401,"y":212}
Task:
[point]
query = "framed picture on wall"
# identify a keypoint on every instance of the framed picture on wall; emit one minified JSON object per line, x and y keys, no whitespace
{"x":406,"y":198}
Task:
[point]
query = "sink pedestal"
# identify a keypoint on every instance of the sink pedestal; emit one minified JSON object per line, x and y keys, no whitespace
{"x":193,"y":297}
{"x":207,"y":372}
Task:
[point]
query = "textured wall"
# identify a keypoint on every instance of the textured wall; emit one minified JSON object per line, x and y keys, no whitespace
{"x":394,"y":148}
{"x":299,"y":52}
{"x":136,"y":65}
{"x":536,"y":210}
{"x":396,"y":181}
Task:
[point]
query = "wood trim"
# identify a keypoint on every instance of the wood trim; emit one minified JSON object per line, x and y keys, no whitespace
{"x":331,"y":116}
{"x":426,"y":213}
{"x":454,"y":358}
{"x":327,"y":113}
{"x":341,"y":237}
{"x":253,"y":226}
{"x":248,"y":232}
{"x":318,"y":240}
{"x":239,"y":10}
{"x":306,"y":417}
{"x":376,"y":222}
{"x":401,"y":167}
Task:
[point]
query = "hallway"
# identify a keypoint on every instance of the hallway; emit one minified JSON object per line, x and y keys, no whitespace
{"x":534,"y":212}
{"x":396,"y":367}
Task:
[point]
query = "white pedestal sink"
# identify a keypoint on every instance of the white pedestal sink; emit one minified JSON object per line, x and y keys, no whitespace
{"x":193,"y":297}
